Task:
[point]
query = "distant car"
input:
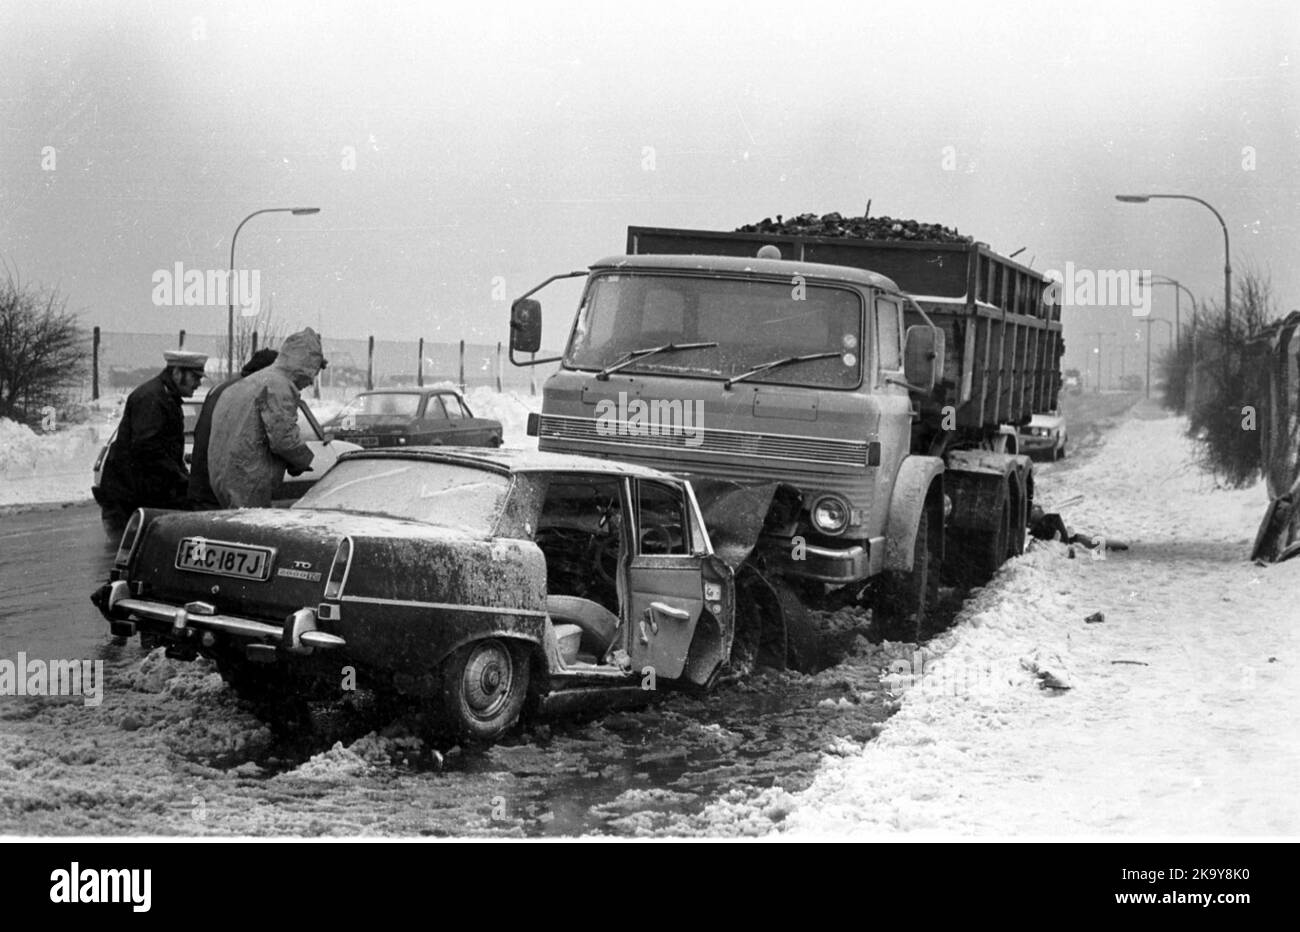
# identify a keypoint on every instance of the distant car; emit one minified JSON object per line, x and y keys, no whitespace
{"x":1045,"y":435}
{"x":398,"y":417}
{"x":324,"y":451}
{"x":470,"y":581}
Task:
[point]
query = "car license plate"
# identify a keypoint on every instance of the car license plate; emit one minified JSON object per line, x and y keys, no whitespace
{"x":221,"y":559}
{"x":368,"y":441}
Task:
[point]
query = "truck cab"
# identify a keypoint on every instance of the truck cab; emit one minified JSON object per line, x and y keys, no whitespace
{"x":840,"y":429}
{"x":759,"y":372}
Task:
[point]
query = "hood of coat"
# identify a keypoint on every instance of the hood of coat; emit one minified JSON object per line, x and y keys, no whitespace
{"x":300,"y":357}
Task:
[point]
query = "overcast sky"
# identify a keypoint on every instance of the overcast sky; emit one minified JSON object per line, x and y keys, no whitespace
{"x":460,"y":157}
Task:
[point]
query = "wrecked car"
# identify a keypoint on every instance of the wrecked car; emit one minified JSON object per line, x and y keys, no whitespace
{"x":477,"y":583}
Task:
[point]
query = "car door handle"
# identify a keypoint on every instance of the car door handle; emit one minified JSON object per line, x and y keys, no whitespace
{"x":677,"y":614}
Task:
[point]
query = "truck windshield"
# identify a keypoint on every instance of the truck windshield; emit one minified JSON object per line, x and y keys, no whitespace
{"x":752,"y":323}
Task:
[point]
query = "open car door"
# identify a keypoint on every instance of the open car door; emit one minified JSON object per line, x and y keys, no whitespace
{"x":680,"y":596}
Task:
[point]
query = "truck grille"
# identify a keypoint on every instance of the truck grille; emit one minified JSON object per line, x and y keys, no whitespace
{"x":708,"y":440}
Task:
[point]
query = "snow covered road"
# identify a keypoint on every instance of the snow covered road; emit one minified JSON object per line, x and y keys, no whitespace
{"x":1182,"y":715}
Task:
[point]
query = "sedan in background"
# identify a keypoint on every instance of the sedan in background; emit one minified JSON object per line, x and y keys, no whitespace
{"x":398,"y":417}
{"x":1044,"y":436}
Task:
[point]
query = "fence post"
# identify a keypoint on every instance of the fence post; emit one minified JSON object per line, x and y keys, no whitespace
{"x":419,"y":372}
{"x":498,"y":367}
{"x":462,"y":365}
{"x":370,"y":365}
{"x":180,"y":343}
{"x":94,"y":365}
{"x":254,"y":342}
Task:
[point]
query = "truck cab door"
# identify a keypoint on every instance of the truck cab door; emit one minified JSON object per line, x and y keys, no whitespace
{"x":667,"y":576}
{"x":894,"y":428}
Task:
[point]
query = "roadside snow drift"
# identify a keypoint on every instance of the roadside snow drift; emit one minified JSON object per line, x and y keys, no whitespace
{"x":1172,"y":713}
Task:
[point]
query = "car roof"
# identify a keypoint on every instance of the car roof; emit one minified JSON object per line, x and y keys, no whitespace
{"x":513,"y":461}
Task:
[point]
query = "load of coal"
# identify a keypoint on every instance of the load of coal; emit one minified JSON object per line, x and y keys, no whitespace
{"x":878,"y":228}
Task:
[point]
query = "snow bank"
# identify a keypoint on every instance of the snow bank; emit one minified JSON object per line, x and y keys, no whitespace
{"x":52,"y":467}
{"x":1180,"y":716}
{"x":511,"y":409}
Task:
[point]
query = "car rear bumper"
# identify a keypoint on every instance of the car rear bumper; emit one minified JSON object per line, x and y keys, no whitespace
{"x":1036,"y":444}
{"x":194,"y":621}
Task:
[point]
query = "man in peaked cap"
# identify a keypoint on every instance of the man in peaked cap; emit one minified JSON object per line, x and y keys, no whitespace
{"x":145,"y":466}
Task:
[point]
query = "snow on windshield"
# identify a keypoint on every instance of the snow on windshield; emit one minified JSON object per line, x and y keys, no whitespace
{"x":443,"y":494}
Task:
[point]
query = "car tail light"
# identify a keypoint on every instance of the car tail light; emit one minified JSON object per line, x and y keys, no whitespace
{"x":130,"y":537}
{"x":339,"y":569}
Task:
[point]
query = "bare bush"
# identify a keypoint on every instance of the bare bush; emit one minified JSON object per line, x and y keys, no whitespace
{"x":1226,"y":385}
{"x":43,"y":349}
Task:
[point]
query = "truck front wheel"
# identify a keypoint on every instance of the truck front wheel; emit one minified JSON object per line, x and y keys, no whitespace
{"x":904,"y":600}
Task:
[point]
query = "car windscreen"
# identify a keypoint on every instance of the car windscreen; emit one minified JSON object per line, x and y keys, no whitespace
{"x":444,"y":494}
{"x":752,"y":322}
{"x":382,"y":408}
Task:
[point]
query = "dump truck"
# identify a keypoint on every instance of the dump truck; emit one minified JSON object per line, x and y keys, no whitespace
{"x":845,"y":408}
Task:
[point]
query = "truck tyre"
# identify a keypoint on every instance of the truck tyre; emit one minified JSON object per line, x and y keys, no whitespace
{"x":484,"y":685}
{"x":773,"y":628}
{"x":904,"y":600}
{"x":990,"y":548}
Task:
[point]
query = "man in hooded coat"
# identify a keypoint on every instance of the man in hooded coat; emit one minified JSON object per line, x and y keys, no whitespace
{"x":255,"y":435}
{"x":201,"y":496}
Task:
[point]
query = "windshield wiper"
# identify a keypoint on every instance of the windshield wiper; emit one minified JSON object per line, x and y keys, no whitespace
{"x":788,"y":360}
{"x":638,"y":354}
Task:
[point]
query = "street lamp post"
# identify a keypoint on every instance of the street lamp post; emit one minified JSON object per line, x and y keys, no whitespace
{"x":230,"y":282}
{"x":1227,"y":253}
{"x":1098,"y":334}
{"x":1180,"y":289}
{"x":1149,"y":322}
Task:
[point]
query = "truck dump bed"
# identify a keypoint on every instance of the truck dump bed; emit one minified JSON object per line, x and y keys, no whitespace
{"x":1003,"y":343}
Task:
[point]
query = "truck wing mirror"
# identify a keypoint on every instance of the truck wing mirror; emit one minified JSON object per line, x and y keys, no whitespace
{"x":526,"y":326}
{"x":922,"y":357}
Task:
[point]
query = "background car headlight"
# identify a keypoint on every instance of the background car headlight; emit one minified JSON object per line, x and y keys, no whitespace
{"x":830,"y":514}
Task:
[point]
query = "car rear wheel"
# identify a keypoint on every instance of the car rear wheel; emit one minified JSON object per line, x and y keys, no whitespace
{"x":484,"y":685}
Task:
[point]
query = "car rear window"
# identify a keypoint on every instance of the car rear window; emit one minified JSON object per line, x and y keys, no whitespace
{"x":443,"y":494}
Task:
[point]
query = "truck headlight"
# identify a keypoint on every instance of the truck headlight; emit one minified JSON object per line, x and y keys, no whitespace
{"x":830,"y":514}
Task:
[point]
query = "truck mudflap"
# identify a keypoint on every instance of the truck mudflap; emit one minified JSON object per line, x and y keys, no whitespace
{"x":734,"y":515}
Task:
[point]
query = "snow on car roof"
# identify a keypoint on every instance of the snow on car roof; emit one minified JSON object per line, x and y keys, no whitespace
{"x":515,"y":460}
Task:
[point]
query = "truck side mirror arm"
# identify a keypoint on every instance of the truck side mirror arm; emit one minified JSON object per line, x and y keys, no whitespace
{"x":526,"y":322}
